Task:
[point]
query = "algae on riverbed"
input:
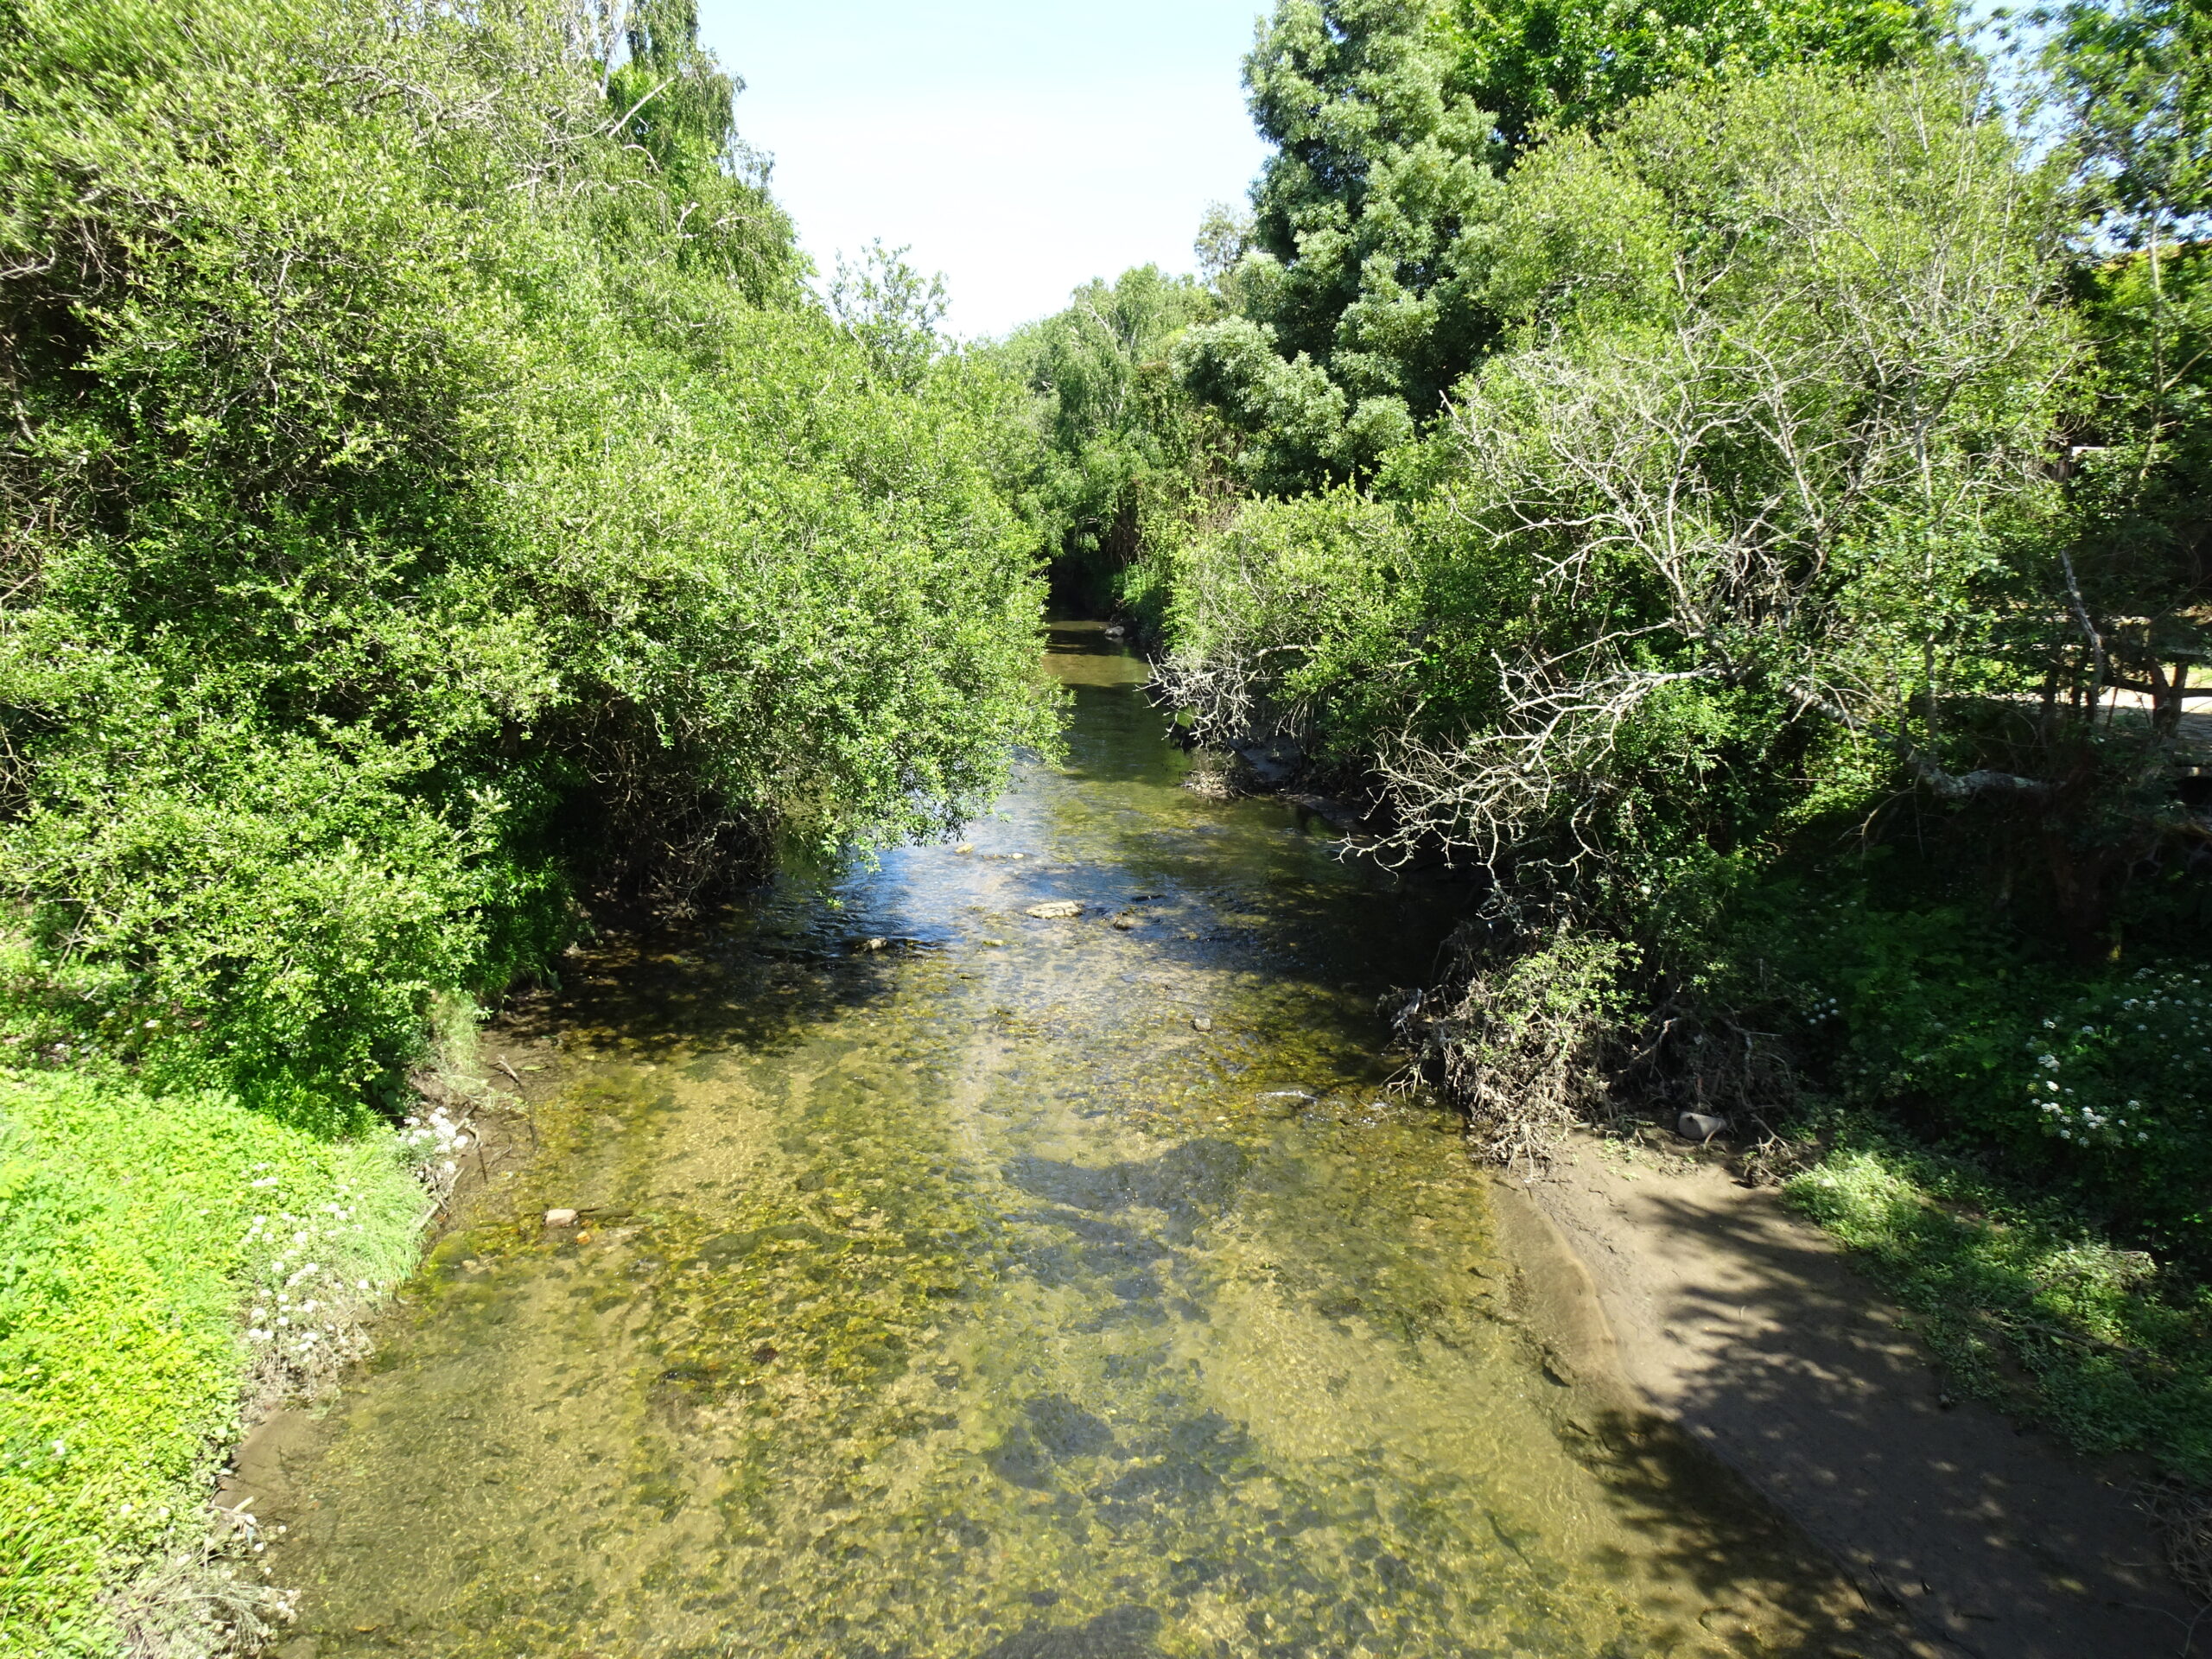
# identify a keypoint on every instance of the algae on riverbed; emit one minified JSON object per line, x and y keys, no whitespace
{"x":969,"y":1301}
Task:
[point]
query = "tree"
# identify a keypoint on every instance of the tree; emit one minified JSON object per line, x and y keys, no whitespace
{"x":1538,"y":66}
{"x":1122,"y":448}
{"x":1361,"y":301}
{"x":2134,"y":78}
{"x":894,"y":311}
{"x":1761,"y":477}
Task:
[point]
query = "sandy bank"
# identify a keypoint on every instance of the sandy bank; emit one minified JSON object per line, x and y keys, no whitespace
{"x":1744,"y":1325}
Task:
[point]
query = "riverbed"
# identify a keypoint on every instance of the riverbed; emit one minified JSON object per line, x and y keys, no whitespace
{"x":953,"y":1281}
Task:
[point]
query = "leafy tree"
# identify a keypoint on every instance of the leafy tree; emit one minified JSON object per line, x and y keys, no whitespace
{"x":430,"y":512}
{"x":1755,"y":490}
{"x":1539,"y":65}
{"x":2134,"y":80}
{"x":1361,"y":301}
{"x":1123,"y":455}
{"x":1358,"y":298}
{"x":894,"y":311}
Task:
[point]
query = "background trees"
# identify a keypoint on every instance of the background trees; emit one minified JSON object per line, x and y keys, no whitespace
{"x":433,"y":500}
{"x":1360,"y":298}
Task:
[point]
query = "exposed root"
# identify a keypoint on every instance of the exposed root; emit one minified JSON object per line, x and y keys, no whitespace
{"x":1214,"y":776}
{"x":1523,"y":1041}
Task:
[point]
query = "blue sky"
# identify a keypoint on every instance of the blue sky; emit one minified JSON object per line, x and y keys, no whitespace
{"x":1020,"y":148}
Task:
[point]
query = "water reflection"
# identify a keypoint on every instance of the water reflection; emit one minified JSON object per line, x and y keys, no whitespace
{"x":957,"y":1282}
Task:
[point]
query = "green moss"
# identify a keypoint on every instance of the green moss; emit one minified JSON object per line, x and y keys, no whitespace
{"x":128,"y":1238}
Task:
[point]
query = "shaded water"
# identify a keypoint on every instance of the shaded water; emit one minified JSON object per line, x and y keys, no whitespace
{"x":1007,"y":1288}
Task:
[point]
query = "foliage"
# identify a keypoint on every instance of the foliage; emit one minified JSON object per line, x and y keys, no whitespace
{"x":1523,"y":1038}
{"x":1360,"y":295}
{"x":1537,"y":67}
{"x":131,"y":1227}
{"x":425,"y":508}
{"x":1973,"y":1029}
{"x":1759,"y":471}
{"x":1356,"y":301}
{"x":2132,"y":78}
{"x":1124,"y":458}
{"x":893,"y":311}
{"x":2022,"y":1304}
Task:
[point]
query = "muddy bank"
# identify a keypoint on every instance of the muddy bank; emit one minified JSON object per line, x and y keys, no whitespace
{"x":1707,"y":1302}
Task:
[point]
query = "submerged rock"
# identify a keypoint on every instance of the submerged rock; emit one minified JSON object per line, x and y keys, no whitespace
{"x":559,"y":1218}
{"x":1060,"y":910}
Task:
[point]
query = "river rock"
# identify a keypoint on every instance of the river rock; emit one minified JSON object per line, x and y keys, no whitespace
{"x":1201,"y":1022}
{"x":1700,"y":1126}
{"x":559,"y":1218}
{"x":1060,"y":910}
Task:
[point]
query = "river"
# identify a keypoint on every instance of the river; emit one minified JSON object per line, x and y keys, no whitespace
{"x":955,"y":1282}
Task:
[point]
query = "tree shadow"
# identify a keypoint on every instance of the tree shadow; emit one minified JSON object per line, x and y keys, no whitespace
{"x":1775,"y":1358}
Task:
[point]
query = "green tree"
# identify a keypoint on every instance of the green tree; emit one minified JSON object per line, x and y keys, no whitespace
{"x":1539,"y":65}
{"x":1122,"y":453}
{"x":431,"y":510}
{"x":1360,"y":302}
{"x":2134,"y":78}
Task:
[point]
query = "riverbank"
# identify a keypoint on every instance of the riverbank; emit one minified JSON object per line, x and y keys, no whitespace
{"x":1712,"y":1305}
{"x":171,"y":1262}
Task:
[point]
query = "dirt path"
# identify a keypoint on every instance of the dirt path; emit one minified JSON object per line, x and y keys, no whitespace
{"x":1745,"y":1324}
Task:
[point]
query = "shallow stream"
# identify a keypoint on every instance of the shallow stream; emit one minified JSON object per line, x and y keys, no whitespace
{"x":954,"y":1282}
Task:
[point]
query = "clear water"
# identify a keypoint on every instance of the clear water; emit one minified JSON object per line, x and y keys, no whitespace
{"x":964,"y":1297}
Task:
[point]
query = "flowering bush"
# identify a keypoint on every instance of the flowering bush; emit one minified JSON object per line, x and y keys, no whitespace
{"x":2128,"y":1066}
{"x":2097,"y":1084}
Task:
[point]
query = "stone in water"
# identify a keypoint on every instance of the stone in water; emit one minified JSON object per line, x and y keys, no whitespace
{"x":1059,"y":911}
{"x":559,"y":1218}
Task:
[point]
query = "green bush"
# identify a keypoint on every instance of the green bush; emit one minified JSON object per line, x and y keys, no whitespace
{"x":1975,"y":1031}
{"x":429,"y":514}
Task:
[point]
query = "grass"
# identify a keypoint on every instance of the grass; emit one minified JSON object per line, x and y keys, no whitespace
{"x":2021,"y":1300}
{"x":137,"y":1231}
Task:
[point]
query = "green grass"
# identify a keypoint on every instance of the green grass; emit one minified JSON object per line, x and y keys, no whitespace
{"x":2023,"y":1302}
{"x":129,"y":1258}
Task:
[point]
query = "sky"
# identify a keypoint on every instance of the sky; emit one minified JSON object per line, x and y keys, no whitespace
{"x":1020,"y":148}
